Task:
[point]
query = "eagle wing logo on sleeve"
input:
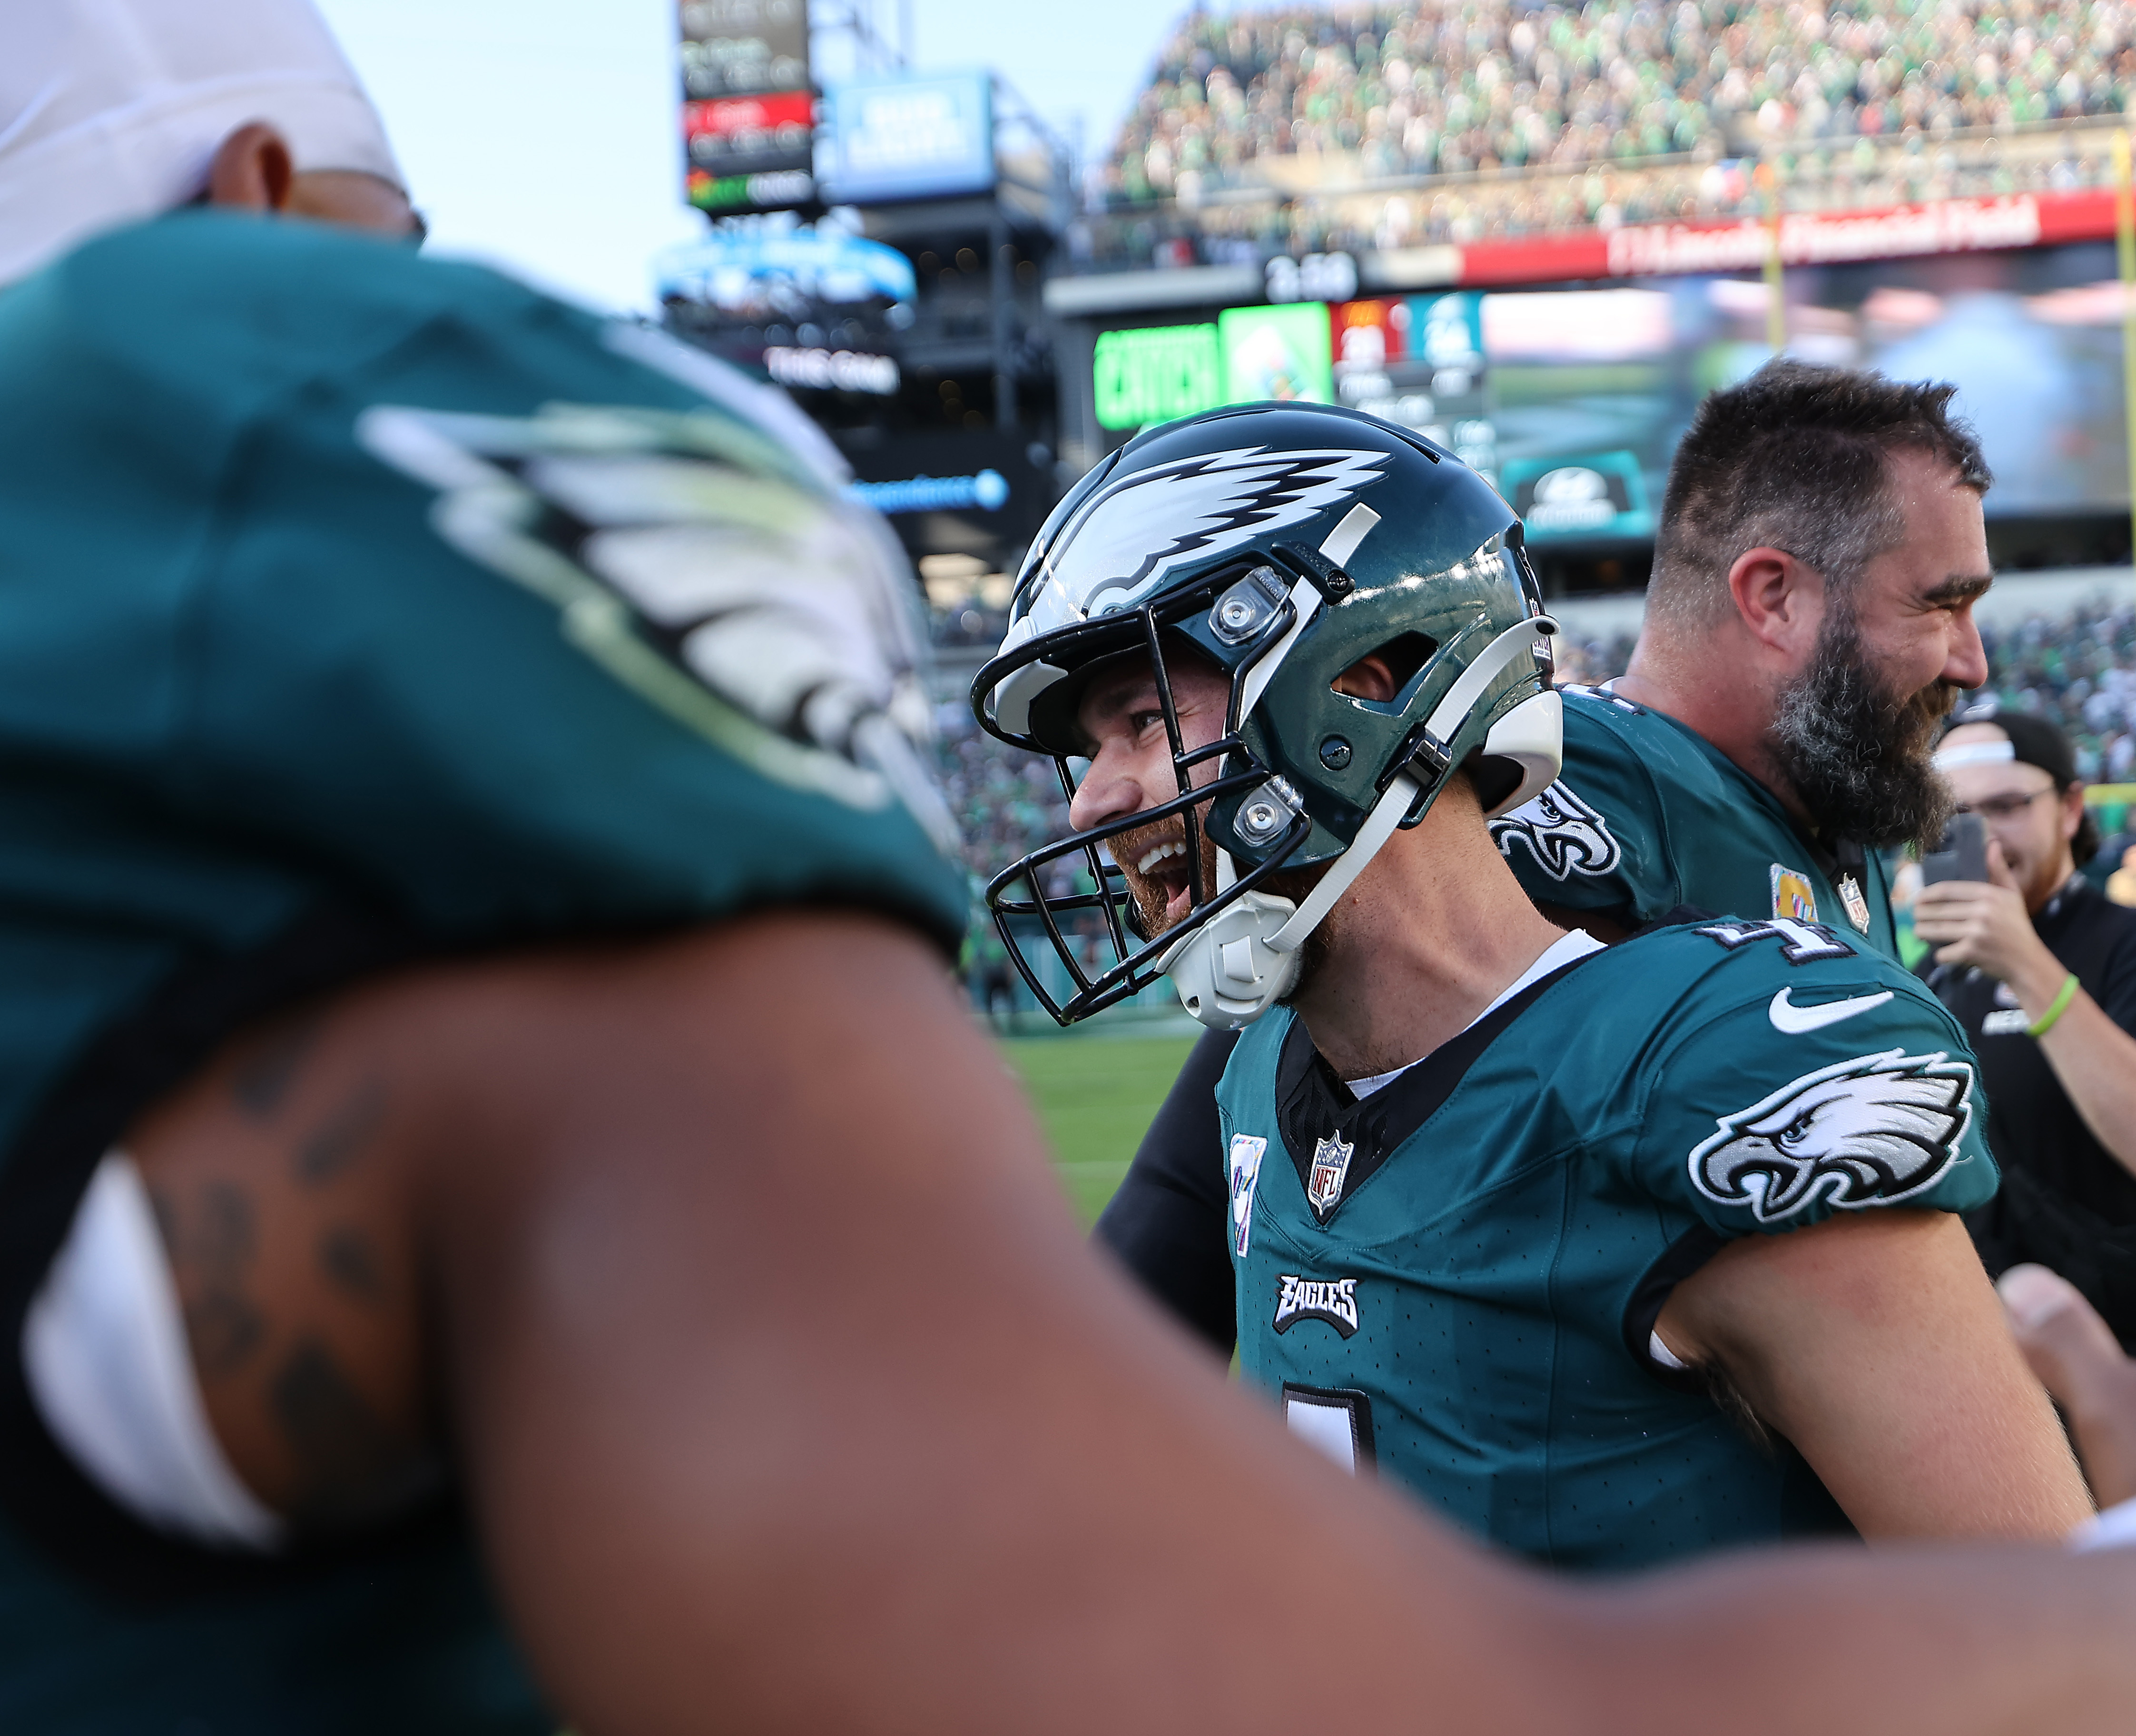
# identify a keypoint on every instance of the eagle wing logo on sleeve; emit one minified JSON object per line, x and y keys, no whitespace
{"x":1874,"y":1131}
{"x":707,"y":567}
{"x":1563,"y":833}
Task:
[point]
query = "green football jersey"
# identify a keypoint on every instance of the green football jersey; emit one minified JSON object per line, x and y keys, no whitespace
{"x":1647,"y":816}
{"x":356,"y":609}
{"x":1457,"y":1279}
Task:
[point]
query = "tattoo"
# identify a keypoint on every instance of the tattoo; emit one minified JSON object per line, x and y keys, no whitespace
{"x":224,"y":1237}
{"x":350,"y":1465}
{"x":347,"y":1257}
{"x":211,"y":1247}
{"x":335,"y":1145}
{"x":264,"y":1078}
{"x":224,"y":1329}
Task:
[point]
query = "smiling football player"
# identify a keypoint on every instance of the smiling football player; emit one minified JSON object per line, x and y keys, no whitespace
{"x":1616,"y":1255}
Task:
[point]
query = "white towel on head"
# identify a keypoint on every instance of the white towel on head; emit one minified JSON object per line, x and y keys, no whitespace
{"x":111,"y":111}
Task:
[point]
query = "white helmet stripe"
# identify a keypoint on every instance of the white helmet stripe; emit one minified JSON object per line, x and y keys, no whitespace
{"x":1452,"y":711}
{"x":1387,"y":813}
{"x":1305,"y":599}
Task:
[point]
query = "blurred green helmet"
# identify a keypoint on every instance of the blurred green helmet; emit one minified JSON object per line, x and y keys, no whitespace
{"x":1283,"y":542}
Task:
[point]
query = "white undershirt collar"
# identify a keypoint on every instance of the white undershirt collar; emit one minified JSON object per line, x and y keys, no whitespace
{"x":1555,"y":956}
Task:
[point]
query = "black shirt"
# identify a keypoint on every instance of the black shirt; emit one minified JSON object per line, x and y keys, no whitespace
{"x":2065,"y":1201}
{"x":1167,"y":1221}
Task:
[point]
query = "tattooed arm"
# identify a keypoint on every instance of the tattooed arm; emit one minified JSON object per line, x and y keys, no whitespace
{"x":797,"y":1408}
{"x":279,"y":1185}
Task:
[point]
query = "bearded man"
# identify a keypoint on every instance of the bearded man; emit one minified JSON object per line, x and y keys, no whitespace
{"x":1808,"y":626}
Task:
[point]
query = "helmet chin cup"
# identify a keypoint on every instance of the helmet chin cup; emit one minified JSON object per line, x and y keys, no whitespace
{"x":1532,"y":735}
{"x":1227,"y":972}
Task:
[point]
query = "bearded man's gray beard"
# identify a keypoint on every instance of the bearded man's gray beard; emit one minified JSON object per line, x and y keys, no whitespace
{"x":1860,"y":761}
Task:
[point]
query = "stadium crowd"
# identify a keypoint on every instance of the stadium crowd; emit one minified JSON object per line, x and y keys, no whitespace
{"x":1534,"y":119}
{"x":1438,"y":88}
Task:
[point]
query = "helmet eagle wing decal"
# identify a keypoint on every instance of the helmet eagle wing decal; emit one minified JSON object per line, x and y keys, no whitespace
{"x":1136,"y":528}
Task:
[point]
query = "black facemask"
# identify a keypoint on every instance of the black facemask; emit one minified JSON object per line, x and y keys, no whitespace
{"x":1860,"y":762}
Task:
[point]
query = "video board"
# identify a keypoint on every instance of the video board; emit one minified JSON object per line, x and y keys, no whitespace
{"x":1572,"y":400}
{"x":749,"y":111}
{"x":1157,"y":373}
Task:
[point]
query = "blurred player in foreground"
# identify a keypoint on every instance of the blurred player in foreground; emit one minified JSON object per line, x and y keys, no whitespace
{"x":479,"y":1063}
{"x":1809,"y":624}
{"x":1509,"y":1209}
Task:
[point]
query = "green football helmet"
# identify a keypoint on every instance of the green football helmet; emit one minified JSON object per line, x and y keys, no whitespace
{"x":1283,"y":542}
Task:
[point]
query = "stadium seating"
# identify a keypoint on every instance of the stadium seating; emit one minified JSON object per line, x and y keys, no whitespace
{"x":2079,"y":672}
{"x":1617,"y":111}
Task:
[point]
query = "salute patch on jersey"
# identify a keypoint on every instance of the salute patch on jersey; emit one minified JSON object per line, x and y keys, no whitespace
{"x":1793,"y":895}
{"x":1561,"y":832}
{"x":1244,"y":1161}
{"x":1332,"y":1300}
{"x":1874,"y":1131}
{"x":705,"y":569}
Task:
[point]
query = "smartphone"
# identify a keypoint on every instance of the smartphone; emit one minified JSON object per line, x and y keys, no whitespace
{"x":1960,"y":855}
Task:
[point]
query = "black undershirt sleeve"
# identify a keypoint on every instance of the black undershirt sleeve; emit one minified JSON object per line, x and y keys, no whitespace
{"x":1166,"y":1223}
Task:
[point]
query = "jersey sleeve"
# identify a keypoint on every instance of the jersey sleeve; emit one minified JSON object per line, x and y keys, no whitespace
{"x":1594,"y":840}
{"x":525,"y":624}
{"x":1787,"y":1089}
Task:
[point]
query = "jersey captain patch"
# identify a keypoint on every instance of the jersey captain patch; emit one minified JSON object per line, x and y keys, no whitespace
{"x":1874,"y":1131}
{"x":1563,"y":833}
{"x":1332,"y":1300}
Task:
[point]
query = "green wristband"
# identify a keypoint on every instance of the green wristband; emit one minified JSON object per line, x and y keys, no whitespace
{"x":2046,"y":1022}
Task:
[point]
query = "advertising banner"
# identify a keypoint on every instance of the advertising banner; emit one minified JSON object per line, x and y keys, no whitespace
{"x":1806,"y":238}
{"x":903,"y":138}
{"x":1156,"y":374}
{"x":1599,"y":494}
{"x":954,"y":491}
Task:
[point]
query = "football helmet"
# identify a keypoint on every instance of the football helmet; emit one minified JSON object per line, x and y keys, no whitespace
{"x":1283,"y":542}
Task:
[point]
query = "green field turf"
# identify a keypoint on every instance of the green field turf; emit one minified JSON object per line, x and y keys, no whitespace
{"x":1094,"y":1096}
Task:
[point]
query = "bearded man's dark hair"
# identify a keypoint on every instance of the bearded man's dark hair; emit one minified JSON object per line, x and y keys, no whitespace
{"x":1799,"y":458}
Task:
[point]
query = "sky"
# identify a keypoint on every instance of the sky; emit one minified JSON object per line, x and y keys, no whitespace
{"x":540,"y":135}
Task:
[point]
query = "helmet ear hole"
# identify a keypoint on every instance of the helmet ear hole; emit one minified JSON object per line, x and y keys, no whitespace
{"x":1403,"y":656}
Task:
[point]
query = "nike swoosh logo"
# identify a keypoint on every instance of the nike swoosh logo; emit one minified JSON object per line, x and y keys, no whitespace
{"x":1794,"y":1020}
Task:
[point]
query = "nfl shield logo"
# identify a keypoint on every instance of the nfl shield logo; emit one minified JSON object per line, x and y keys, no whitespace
{"x":1857,"y":907}
{"x":1331,"y":1164}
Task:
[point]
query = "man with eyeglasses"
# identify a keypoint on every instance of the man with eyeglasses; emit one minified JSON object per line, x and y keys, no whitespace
{"x":2040,"y":971}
